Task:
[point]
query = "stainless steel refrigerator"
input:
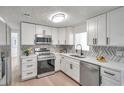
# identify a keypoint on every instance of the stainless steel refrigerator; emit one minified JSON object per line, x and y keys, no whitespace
{"x":5,"y":54}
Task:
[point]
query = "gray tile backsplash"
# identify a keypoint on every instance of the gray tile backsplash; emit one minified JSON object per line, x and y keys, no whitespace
{"x":53,"y":48}
{"x":110,"y":53}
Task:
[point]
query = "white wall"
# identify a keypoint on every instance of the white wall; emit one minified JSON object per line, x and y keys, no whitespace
{"x":80,"y":28}
{"x":13,"y":53}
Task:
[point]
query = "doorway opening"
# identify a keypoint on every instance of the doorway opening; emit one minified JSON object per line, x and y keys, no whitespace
{"x":14,"y":57}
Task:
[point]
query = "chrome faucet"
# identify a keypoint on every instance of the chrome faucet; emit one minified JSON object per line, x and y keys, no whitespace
{"x":80,"y":49}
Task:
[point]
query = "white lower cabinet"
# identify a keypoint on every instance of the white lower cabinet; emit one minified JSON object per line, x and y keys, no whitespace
{"x":63,"y":65}
{"x":71,"y":67}
{"x":109,"y":82}
{"x":110,"y":77}
{"x":28,"y":67}
{"x":57,"y":62}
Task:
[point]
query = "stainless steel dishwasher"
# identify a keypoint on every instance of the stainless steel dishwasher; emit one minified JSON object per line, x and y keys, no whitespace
{"x":89,"y":74}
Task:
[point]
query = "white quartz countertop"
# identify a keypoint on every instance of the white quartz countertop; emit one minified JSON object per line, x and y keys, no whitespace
{"x":112,"y":65}
{"x":31,"y":55}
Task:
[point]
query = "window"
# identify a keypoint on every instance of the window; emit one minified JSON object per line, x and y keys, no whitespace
{"x":81,"y":38}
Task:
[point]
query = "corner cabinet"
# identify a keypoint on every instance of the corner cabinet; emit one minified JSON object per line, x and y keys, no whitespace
{"x":96,"y":28}
{"x":115,"y":22}
{"x":27,"y":34}
{"x":66,"y":36}
{"x":71,"y":67}
{"x":57,"y":62}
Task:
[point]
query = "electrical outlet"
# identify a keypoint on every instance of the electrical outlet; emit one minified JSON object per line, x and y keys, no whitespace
{"x":119,"y":53}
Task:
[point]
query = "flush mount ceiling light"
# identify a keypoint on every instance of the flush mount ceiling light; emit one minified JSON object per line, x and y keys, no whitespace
{"x":58,"y":17}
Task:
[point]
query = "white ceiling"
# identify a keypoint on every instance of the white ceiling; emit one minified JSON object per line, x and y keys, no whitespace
{"x":40,"y":14}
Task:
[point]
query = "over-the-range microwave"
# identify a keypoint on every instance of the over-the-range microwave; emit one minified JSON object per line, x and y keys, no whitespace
{"x":43,"y":39}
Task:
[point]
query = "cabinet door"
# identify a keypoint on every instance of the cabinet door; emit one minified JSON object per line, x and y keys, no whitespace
{"x":69,"y":36}
{"x":43,"y":30}
{"x":75,"y":74}
{"x":39,"y":29}
{"x":62,"y":36}
{"x":63,"y":65}
{"x":48,"y":31}
{"x":68,"y":68}
{"x":57,"y":62}
{"x":116,"y":27}
{"x":54,"y":36}
{"x":27,"y":34}
{"x":101,"y":30}
{"x":92,"y":31}
{"x":2,"y":33}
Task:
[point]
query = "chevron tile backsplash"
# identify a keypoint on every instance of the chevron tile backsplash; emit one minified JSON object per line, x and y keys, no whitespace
{"x":110,"y":53}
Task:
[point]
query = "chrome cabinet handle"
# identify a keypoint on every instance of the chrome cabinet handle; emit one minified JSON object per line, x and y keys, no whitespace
{"x":107,"y":40}
{"x":71,"y":67}
{"x":29,"y":65}
{"x":29,"y":73}
{"x":30,"y":60}
{"x":109,"y":73}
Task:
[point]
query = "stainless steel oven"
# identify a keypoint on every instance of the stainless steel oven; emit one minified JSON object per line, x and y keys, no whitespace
{"x":45,"y":62}
{"x":46,"y":67}
{"x":43,"y":39}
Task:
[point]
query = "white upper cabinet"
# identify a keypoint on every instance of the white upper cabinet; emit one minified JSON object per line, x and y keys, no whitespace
{"x":48,"y":30}
{"x":2,"y":33}
{"x":39,"y":29}
{"x":92,"y":31}
{"x":62,"y":36}
{"x":116,"y":27}
{"x":54,"y":36}
{"x":65,"y":36}
{"x":101,"y":30}
{"x":43,"y":30}
{"x":69,"y":36}
{"x":27,"y":34}
{"x":96,"y":28}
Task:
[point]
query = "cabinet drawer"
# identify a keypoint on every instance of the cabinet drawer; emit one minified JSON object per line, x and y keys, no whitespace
{"x":28,"y":74}
{"x":29,"y":66}
{"x":26,"y":60}
{"x":113,"y":74}
{"x":72,"y":60}
{"x":109,"y":82}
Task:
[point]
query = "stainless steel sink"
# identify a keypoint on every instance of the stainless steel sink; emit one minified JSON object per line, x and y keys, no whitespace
{"x":78,"y":56}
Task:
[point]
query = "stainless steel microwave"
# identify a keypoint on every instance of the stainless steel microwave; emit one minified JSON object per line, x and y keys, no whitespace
{"x":43,"y":39}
